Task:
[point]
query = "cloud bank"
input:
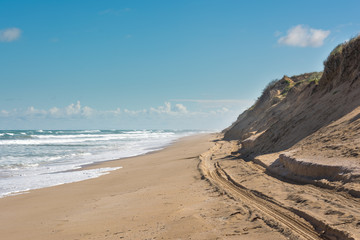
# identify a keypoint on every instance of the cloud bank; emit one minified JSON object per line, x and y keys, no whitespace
{"x":170,"y":115}
{"x":76,"y":110}
{"x":10,"y":34}
{"x":303,"y":36}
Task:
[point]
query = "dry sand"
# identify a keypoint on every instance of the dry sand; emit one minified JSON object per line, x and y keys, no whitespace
{"x":155,"y":196}
{"x":325,"y":213}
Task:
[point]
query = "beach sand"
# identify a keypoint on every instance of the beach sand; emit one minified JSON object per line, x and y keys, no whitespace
{"x":159,"y":195}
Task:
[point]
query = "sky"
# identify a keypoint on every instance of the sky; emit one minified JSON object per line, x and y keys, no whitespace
{"x":133,"y":64}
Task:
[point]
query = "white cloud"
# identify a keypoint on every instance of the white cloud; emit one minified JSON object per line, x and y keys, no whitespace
{"x":70,"y":111}
{"x":115,"y":112}
{"x":303,"y":36}
{"x":10,"y":34}
{"x":213,"y":104}
{"x":181,"y":108}
{"x":31,"y":111}
{"x":168,"y":114}
{"x":169,"y":109}
{"x":134,"y":112}
{"x":223,"y":110}
{"x":73,"y":109}
{"x":4,"y":113}
{"x":87,"y":111}
{"x":55,"y":112}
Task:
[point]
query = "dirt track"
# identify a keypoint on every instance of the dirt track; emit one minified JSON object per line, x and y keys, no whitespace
{"x":297,"y":211}
{"x":284,"y":217}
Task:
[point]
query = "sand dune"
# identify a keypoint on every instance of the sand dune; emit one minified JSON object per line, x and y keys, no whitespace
{"x":299,"y":145}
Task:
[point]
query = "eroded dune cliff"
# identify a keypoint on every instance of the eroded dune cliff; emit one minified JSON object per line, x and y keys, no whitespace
{"x":296,"y":107}
{"x":307,"y":120}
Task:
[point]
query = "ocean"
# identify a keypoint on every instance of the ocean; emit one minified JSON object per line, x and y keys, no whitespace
{"x":32,"y":159}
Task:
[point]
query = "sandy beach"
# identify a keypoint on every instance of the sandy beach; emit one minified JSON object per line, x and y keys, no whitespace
{"x":155,"y":196}
{"x":146,"y":120}
{"x":195,"y":188}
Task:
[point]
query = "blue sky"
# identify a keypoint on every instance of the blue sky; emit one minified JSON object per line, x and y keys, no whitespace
{"x":156,"y":64}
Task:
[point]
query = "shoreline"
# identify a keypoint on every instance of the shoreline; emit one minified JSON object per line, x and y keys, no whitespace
{"x":93,"y":207}
{"x":159,"y":195}
{"x":99,"y":163}
{"x":79,"y":169}
{"x":173,"y":193}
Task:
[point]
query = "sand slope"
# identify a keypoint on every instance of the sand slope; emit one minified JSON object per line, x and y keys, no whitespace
{"x":310,"y":118}
{"x":304,"y":129}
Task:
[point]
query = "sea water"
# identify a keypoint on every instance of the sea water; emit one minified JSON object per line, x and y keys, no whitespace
{"x":32,"y":159}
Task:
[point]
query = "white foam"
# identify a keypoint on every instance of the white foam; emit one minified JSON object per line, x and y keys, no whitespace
{"x":23,"y":184}
{"x":47,"y":158}
{"x":81,"y":138}
{"x":91,"y":131}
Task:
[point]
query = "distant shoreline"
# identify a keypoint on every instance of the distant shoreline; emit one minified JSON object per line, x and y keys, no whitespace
{"x":36,"y":159}
{"x":94,"y":205}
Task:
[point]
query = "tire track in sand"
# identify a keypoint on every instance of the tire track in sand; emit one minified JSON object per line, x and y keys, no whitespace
{"x":286,"y":218}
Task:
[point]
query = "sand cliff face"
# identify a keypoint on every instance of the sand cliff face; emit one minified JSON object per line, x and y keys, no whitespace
{"x":305,"y":129}
{"x":316,"y":112}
